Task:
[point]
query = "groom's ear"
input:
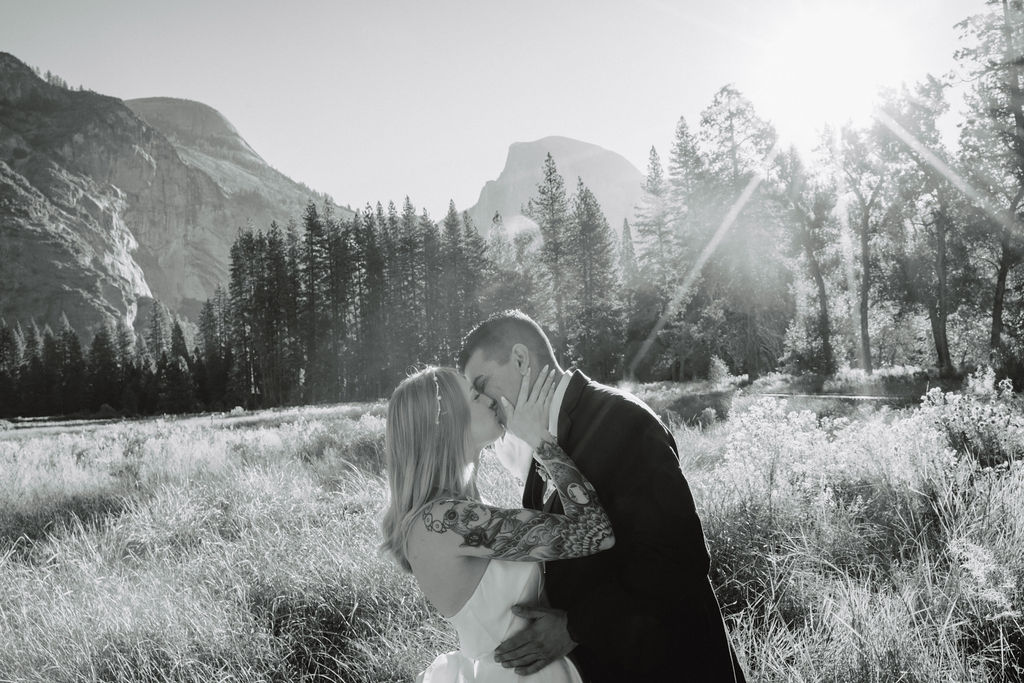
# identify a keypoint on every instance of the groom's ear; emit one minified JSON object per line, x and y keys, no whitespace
{"x":521,"y":357}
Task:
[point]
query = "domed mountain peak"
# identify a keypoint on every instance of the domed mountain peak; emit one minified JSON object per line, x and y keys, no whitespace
{"x":193,"y":124}
{"x":616,"y":183}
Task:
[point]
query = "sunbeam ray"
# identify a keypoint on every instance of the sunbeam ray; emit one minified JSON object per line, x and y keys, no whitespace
{"x":933,"y":160}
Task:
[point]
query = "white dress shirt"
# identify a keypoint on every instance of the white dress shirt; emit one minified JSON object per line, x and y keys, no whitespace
{"x":556,"y":403}
{"x":514,"y":454}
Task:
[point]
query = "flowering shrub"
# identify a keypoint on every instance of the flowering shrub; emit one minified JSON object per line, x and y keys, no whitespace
{"x":985,"y":427}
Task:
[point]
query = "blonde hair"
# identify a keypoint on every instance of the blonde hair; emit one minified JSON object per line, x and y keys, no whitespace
{"x":425,"y":452}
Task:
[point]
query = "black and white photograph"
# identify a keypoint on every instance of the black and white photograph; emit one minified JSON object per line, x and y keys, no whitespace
{"x":574,"y":341}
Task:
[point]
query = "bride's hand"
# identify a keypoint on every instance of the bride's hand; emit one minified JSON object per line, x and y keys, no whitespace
{"x":529,"y":418}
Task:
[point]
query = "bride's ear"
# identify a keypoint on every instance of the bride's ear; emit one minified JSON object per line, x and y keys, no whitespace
{"x":521,"y":358}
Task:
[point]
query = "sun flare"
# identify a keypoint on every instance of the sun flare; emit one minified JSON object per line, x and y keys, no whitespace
{"x":824,"y":64}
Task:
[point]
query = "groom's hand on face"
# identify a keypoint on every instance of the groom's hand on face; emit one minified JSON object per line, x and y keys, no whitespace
{"x":544,"y":640}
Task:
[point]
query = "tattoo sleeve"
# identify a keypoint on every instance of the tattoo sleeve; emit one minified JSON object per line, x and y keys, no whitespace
{"x":514,"y":534}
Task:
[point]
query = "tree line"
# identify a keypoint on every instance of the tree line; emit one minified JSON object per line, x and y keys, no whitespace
{"x":325,"y":309}
{"x":335,"y":310}
{"x":884,"y":246}
{"x":120,"y":372}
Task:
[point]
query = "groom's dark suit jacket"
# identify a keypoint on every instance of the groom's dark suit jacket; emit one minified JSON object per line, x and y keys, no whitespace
{"x":644,"y":610}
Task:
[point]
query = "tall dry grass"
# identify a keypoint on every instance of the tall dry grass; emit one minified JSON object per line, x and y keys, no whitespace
{"x":184,"y":552}
{"x":871,"y":548}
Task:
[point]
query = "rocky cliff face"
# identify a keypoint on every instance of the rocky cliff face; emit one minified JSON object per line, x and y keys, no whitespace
{"x":104,"y":203}
{"x":65,"y":246}
{"x":207,"y":142}
{"x":615,"y":182}
{"x":187,"y":216}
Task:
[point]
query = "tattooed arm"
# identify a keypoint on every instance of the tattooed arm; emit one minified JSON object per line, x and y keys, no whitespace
{"x":529,"y":535}
{"x":481,"y":530}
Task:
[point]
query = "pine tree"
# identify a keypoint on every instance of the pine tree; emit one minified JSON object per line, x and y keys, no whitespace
{"x":627,"y":256}
{"x":659,"y":258}
{"x":393,"y":296}
{"x":453,"y":261}
{"x":595,"y":328}
{"x":498,"y":244}
{"x":179,"y":348}
{"x":502,"y":285}
{"x":370,"y":361}
{"x":690,"y":196}
{"x":294,"y":352}
{"x":343,"y":272}
{"x":72,"y":369}
{"x":130,"y":349}
{"x":124,"y":344}
{"x":11,"y":349}
{"x":434,"y":309}
{"x":213,"y":346}
{"x":274,"y":336}
{"x":147,"y":386}
{"x":183,"y":381}
{"x":314,"y":275}
{"x":209,"y":342}
{"x":408,"y":272}
{"x":10,"y":361}
{"x":32,"y":386}
{"x":52,"y":363}
{"x":526,"y":285}
{"x":638,"y":321}
{"x":742,"y":306}
{"x":158,"y":335}
{"x":686,"y":177}
{"x":476,"y":266}
{"x":245,"y":378}
{"x":175,"y":392}
{"x":549,"y":209}
{"x":659,"y":246}
{"x":735,"y":139}
{"x":103,"y":371}
{"x":32,"y":340}
{"x":158,"y":389}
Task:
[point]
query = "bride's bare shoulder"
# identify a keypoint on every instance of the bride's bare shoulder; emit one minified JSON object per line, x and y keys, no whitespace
{"x":427,"y":549}
{"x":446,"y":577}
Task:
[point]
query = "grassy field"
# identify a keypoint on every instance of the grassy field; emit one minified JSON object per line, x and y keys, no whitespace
{"x":880,"y":546}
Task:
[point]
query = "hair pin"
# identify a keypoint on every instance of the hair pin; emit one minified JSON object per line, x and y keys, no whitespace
{"x":437,"y":392}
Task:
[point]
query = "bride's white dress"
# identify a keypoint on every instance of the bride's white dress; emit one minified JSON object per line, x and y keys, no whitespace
{"x":485,"y":621}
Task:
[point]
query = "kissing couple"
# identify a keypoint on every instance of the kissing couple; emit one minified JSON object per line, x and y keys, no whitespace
{"x":603,"y":580}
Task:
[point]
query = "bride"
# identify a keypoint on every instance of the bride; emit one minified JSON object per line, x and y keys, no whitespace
{"x":474,"y":561}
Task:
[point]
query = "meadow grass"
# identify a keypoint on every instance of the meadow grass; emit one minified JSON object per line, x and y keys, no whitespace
{"x":884,"y":546}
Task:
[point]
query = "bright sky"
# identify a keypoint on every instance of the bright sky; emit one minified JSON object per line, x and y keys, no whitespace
{"x":386,"y":98}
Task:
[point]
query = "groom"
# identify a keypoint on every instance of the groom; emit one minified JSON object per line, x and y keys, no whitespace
{"x":644,"y":610}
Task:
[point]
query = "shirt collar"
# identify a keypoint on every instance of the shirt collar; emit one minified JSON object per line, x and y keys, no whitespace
{"x":556,"y":403}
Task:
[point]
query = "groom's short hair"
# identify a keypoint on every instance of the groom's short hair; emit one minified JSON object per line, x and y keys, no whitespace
{"x":500,"y":332}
